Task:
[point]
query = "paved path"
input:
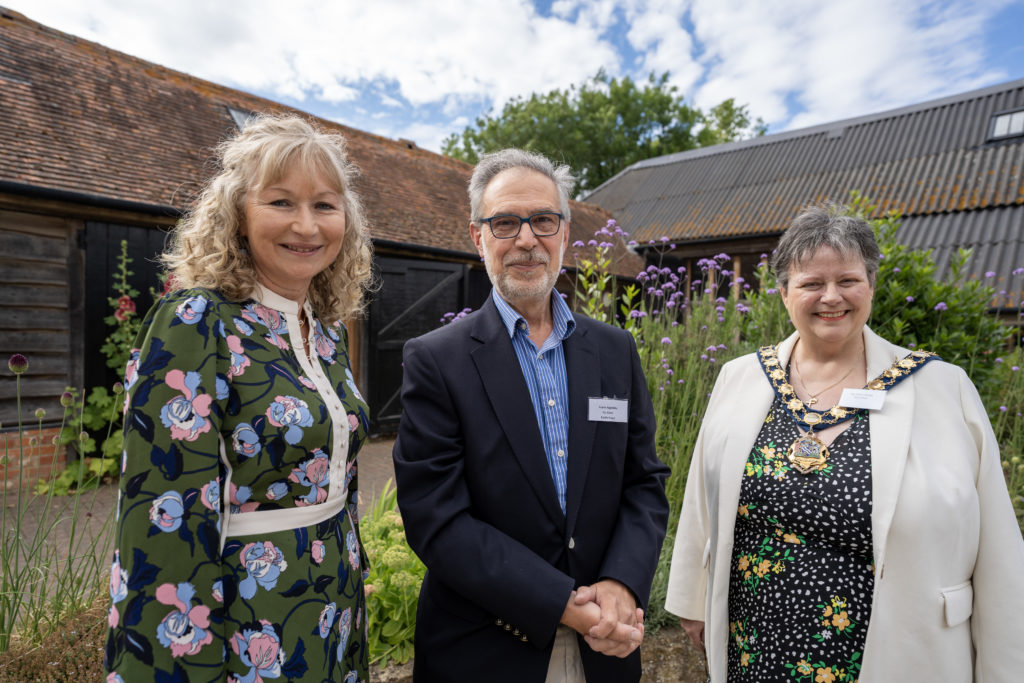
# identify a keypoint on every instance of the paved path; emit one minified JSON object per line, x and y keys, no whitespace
{"x":93,"y":530}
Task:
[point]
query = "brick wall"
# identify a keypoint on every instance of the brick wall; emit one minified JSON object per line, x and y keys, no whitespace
{"x":37,"y":461}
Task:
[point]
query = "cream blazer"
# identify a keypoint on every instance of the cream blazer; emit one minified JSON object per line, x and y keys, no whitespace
{"x":948,"y":602}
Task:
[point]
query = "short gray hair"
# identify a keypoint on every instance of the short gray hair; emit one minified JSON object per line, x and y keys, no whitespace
{"x":490,"y":165}
{"x":825,"y":225}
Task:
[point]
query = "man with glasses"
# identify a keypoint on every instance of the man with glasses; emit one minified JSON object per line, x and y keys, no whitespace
{"x":527,"y":475}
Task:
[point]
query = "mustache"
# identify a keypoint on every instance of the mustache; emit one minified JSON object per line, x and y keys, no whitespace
{"x":526,"y":257}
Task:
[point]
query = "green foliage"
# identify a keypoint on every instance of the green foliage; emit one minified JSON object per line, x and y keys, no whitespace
{"x":394,"y":584}
{"x":595,"y":282}
{"x":949,"y":316}
{"x":79,"y":475}
{"x":1006,"y":406}
{"x":685,"y":331}
{"x":124,"y":319}
{"x":49,"y":568}
{"x":99,"y":413}
{"x":602,"y":126}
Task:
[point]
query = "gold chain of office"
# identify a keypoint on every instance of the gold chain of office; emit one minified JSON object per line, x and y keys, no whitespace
{"x":801,"y":414}
{"x":808,"y":453}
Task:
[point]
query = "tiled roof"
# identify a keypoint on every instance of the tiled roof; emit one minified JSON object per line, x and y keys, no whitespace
{"x":932,"y":162}
{"x":79,"y":117}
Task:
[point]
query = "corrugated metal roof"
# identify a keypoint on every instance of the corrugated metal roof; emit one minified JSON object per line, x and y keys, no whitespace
{"x":995,"y":237}
{"x":930,"y":158}
{"x":931,"y":162}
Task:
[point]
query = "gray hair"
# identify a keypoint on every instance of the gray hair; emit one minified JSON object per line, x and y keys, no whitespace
{"x":490,"y":165}
{"x":825,"y":225}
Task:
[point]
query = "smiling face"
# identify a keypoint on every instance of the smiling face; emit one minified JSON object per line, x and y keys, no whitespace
{"x":295,"y":227}
{"x":523,"y":269}
{"x":828,"y":298}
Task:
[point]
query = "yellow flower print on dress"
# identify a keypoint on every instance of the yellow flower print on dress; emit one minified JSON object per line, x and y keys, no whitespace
{"x":766,"y":462}
{"x":805,"y":670}
{"x":835,"y":620}
{"x":742,"y":639}
{"x":770,"y":558}
{"x":824,"y":675}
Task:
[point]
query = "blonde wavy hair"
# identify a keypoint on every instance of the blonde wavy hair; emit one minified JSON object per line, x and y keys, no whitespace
{"x":206,"y":247}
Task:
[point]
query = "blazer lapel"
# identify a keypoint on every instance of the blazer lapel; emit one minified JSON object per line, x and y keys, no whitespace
{"x":583,"y":370}
{"x":502,"y":377}
{"x":890,"y":441}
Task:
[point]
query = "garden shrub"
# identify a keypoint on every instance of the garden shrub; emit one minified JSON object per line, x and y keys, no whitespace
{"x":392,"y":590}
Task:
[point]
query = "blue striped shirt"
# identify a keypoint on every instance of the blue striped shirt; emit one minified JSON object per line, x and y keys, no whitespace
{"x":544,"y":371}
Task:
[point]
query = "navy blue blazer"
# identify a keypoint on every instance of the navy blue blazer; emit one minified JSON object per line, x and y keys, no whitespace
{"x":480,"y":508}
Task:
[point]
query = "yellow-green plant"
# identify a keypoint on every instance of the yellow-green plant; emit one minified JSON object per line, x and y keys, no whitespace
{"x":392,"y":590}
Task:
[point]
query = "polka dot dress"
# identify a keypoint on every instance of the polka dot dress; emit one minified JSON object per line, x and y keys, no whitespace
{"x":801,"y":579}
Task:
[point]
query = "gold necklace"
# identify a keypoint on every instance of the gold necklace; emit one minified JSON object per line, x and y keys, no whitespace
{"x":814,"y":397}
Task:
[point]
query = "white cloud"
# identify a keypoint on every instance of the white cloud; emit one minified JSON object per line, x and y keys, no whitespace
{"x":827,"y":61}
{"x":426,"y":135}
{"x":795,"y":63}
{"x":309,"y":48}
{"x":389,"y":101}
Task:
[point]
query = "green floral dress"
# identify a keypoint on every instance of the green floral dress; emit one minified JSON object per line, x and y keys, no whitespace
{"x":802,"y":576}
{"x":237,"y":554}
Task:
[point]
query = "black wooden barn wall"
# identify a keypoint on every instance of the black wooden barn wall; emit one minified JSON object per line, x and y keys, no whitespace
{"x":414,"y":296}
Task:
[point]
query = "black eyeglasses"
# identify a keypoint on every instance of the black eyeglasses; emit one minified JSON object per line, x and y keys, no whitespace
{"x":505,"y":226}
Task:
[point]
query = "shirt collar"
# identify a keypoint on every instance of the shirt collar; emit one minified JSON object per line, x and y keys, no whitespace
{"x":275,"y":301}
{"x":563,"y":326}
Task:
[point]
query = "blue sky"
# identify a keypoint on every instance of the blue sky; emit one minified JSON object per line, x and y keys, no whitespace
{"x":421,"y":70}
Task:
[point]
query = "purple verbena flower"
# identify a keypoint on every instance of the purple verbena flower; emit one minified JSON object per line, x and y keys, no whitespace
{"x":941,"y":306}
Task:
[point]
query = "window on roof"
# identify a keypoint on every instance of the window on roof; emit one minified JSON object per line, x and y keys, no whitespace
{"x":241,"y":116}
{"x":1008,"y":124}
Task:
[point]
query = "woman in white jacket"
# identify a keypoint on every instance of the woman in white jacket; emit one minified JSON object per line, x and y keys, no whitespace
{"x":846,"y":516}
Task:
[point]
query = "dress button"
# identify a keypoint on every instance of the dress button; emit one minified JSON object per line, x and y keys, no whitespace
{"x":561,"y":453}
{"x":551,"y":402}
{"x":522,"y":326}
{"x":572,"y":543}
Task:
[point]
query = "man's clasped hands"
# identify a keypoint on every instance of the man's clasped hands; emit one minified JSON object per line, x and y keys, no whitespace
{"x":607,"y":616}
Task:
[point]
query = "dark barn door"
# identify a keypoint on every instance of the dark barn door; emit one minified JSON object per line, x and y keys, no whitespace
{"x":102,"y":243}
{"x":413,"y":297}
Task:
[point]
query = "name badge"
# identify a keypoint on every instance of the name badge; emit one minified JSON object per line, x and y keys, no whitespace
{"x":862,"y":398}
{"x":608,"y":410}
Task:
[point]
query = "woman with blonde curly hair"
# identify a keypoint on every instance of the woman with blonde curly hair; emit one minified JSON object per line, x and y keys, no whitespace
{"x":237,"y":554}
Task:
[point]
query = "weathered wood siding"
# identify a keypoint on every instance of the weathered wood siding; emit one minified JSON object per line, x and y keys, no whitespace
{"x":39,"y":304}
